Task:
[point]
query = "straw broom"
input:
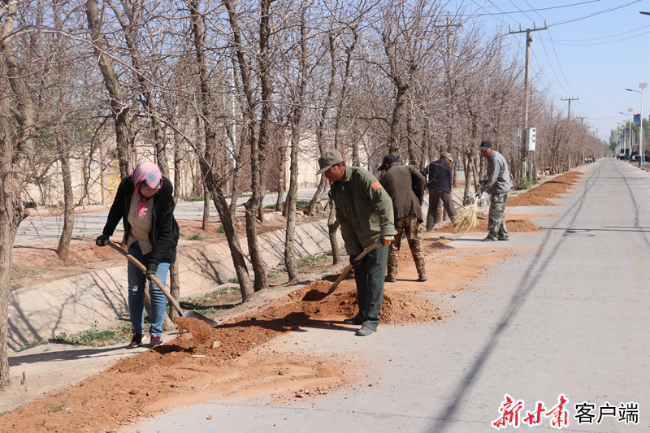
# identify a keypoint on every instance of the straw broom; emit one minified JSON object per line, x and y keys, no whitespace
{"x":467,"y":219}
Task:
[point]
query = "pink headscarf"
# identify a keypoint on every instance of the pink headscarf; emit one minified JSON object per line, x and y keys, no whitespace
{"x":148,"y":175}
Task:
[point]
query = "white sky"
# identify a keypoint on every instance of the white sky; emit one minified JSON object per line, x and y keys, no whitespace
{"x":593,"y":50}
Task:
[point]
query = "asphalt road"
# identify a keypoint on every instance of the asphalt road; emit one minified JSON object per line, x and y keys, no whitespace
{"x":90,"y":224}
{"x":567,"y":318}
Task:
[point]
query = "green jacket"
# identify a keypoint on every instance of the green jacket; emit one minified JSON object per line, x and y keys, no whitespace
{"x":364,"y":209}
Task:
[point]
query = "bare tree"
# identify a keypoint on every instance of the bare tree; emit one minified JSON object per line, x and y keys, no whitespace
{"x":210,"y":149}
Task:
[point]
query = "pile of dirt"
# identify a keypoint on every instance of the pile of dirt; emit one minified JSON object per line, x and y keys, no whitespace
{"x":116,"y":397}
{"x":539,"y":195}
{"x":514,"y":224}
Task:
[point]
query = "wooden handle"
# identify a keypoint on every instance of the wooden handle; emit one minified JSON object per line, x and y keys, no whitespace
{"x":151,"y":277}
{"x":349,"y":267}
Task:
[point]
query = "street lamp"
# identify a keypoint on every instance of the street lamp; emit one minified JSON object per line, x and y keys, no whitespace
{"x":642,"y":86}
{"x":630,"y":110}
{"x":625,"y":138}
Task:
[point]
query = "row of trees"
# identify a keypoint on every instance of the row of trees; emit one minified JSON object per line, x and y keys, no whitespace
{"x":230,"y":88}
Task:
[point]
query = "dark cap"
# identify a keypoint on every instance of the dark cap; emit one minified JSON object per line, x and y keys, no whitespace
{"x":486,"y":144}
{"x":388,"y":160}
{"x":328,"y":159}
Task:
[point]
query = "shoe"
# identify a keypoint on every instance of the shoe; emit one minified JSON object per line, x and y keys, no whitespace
{"x":356,"y":320}
{"x":504,"y":239}
{"x":422,"y":277}
{"x":364,"y":331}
{"x":389,"y":279}
{"x":136,"y":341}
{"x":489,"y":239}
{"x":155,"y":341}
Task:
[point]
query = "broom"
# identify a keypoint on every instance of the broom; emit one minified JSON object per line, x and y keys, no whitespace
{"x":466,"y":220}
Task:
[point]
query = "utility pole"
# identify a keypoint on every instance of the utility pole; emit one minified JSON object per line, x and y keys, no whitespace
{"x":570,"y":98}
{"x":529,"y":39}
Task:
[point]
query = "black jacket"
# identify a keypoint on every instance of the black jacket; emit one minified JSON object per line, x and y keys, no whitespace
{"x":439,"y":176}
{"x":164,"y":229}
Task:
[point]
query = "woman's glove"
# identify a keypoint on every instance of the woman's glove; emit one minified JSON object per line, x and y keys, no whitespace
{"x":152,"y":268}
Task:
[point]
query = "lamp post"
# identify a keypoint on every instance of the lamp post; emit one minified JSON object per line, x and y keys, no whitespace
{"x":630,"y":141}
{"x":624,"y":137}
{"x":642,"y":86}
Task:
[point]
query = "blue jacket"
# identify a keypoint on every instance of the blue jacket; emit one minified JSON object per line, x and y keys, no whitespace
{"x":438,"y":175}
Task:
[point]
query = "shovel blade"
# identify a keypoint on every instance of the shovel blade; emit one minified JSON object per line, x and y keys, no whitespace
{"x":201,"y":317}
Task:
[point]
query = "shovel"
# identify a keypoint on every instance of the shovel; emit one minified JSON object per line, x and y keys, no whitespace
{"x":188,"y":314}
{"x":349,"y":267}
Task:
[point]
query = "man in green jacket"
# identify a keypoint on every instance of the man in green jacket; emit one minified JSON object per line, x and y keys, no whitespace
{"x":365,"y":211}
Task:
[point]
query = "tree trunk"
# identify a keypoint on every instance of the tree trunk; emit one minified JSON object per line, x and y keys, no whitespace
{"x":63,"y":249}
{"x":206,"y":208}
{"x":258,"y":136}
{"x":332,"y":227}
{"x":283,"y":161}
{"x":119,"y":108}
{"x":210,"y":150}
{"x":296,"y":119}
{"x":16,"y":155}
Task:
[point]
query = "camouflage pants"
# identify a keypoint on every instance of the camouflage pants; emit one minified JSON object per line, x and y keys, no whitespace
{"x":497,"y":220}
{"x":410,"y":226}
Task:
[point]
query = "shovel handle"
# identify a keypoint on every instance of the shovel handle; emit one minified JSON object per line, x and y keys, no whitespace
{"x":151,"y":277}
{"x":347,"y":269}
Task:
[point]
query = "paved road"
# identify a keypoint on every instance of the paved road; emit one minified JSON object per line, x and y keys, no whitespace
{"x":567,"y":316}
{"x":90,"y":224}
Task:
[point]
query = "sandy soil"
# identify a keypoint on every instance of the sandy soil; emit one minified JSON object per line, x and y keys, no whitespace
{"x":539,"y":195}
{"x":234,"y":360}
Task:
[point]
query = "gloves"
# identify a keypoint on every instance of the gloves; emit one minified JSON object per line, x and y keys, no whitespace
{"x":152,"y":268}
{"x":352,"y":258}
{"x":387,"y":240}
{"x":101,"y":240}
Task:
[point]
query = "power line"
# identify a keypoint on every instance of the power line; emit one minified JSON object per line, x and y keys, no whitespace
{"x":604,"y":42}
{"x":532,"y":9}
{"x":602,"y":37}
{"x":595,"y":13}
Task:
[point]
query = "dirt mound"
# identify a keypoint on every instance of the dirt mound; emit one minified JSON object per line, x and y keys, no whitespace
{"x":200,"y":331}
{"x":118,"y":395}
{"x":514,"y":224}
{"x":539,"y":195}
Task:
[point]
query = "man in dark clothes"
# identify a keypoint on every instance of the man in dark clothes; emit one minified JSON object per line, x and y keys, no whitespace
{"x":439,"y":178}
{"x":365,"y":211}
{"x":405,"y":185}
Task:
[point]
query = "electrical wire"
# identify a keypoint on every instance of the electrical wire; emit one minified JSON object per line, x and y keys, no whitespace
{"x":595,"y":13}
{"x":533,"y":9}
{"x":602,"y":37}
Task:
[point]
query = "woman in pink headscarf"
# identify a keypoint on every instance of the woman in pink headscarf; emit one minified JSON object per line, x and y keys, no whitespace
{"x":145,"y":203}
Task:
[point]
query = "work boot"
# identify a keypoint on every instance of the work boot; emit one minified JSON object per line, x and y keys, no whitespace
{"x":389,"y":279}
{"x":356,"y":320}
{"x":489,"y":239}
{"x":504,"y":239}
{"x":155,"y":341}
{"x":364,"y":331}
{"x":422,"y":277}
{"x":136,"y":341}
